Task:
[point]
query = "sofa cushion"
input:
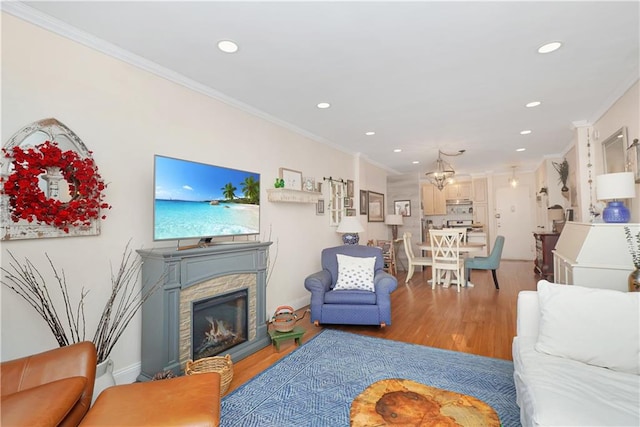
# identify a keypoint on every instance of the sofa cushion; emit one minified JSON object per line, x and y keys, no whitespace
{"x":594,"y":326}
{"x":554,"y":391}
{"x":355,"y":273}
{"x":350,"y":297}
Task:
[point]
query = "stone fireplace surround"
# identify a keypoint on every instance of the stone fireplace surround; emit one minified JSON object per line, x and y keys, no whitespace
{"x":190,"y":275}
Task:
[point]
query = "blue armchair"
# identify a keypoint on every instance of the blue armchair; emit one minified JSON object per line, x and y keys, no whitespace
{"x":350,"y":307}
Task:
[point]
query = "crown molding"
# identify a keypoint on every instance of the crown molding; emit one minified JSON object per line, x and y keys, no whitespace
{"x":47,"y":22}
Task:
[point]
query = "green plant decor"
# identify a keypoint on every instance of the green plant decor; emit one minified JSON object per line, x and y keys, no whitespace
{"x":563,"y":171}
{"x":633,"y":241}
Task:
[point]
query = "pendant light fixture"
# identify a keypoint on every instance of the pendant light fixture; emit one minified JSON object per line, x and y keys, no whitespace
{"x":513,"y":181}
{"x":443,"y":172}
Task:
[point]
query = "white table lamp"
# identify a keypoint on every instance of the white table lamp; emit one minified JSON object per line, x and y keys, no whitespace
{"x":612,"y":187}
{"x":394,"y":221}
{"x":350,"y":227}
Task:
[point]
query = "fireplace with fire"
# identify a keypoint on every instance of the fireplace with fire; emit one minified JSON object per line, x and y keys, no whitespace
{"x":212,"y":302}
{"x":219,"y":323}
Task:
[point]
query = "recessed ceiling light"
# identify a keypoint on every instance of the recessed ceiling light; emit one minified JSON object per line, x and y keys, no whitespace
{"x":370,"y":133}
{"x":415,"y":162}
{"x":323,"y":105}
{"x":227,"y":46}
{"x":397,"y":150}
{"x":521,"y":149}
{"x":525,"y":132}
{"x":549,"y":47}
{"x":533,"y":104}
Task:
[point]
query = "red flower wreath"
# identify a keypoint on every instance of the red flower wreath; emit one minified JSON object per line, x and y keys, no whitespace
{"x":27,"y":201}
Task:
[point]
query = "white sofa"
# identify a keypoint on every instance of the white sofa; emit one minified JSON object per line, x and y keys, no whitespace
{"x":576,"y":356}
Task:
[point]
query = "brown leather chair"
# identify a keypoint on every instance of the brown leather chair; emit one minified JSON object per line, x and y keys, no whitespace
{"x":53,"y":388}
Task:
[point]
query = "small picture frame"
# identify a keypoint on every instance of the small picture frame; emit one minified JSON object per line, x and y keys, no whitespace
{"x":292,"y":178}
{"x":350,"y":188}
{"x":376,"y":207}
{"x":320,"y":207}
{"x":348,"y":202}
{"x":308,"y":184}
{"x":569,"y":215}
{"x":351,"y":212}
{"x":364,"y":202}
{"x":402,"y":207}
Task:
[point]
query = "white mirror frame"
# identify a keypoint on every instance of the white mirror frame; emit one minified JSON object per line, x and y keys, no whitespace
{"x":52,"y":130}
{"x":614,"y":152}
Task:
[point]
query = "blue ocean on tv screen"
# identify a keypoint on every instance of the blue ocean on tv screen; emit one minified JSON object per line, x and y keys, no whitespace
{"x":184,"y":219}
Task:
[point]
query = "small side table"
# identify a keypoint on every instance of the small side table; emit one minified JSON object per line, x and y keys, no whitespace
{"x":277,"y":337}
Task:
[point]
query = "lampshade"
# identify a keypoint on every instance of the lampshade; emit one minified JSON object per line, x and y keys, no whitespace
{"x":350,"y":224}
{"x":619,"y":185}
{"x":393,"y":219}
{"x":613,"y":186}
{"x":555,"y":214}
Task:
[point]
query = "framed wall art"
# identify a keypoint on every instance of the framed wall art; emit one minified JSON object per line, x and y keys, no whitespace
{"x":402,"y":207}
{"x":292,"y":179}
{"x":351,"y":212}
{"x":364,"y":202}
{"x":635,"y":148}
{"x":375,"y":207}
{"x":350,"y":188}
{"x":320,"y":207}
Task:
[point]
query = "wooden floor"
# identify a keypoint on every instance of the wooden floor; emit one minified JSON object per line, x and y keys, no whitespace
{"x":479,"y":320}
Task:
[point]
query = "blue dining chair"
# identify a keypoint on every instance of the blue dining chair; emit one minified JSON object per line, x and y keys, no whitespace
{"x":492,"y":262}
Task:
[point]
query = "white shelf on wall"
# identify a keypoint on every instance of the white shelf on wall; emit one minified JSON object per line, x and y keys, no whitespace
{"x":285,"y":195}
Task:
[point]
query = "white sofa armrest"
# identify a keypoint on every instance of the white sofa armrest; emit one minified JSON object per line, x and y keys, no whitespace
{"x":528,"y":314}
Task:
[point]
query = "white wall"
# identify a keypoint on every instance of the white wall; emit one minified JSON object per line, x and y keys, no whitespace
{"x":125,"y":116}
{"x":624,"y":112}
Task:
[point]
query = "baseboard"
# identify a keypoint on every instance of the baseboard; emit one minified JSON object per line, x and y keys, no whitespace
{"x":128,"y":375}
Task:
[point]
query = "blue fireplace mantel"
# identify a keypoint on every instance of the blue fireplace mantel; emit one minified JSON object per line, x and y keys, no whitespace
{"x":182,"y":270}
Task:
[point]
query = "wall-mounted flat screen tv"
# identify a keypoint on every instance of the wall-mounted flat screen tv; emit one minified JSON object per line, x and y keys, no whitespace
{"x":198,"y":200}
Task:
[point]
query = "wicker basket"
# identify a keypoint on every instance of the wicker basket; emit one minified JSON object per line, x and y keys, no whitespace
{"x":222,"y":365}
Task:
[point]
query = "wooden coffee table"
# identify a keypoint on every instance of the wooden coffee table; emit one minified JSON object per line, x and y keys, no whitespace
{"x":394,"y":402}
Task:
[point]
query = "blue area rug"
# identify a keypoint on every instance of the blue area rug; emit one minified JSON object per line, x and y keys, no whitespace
{"x":315,"y":384}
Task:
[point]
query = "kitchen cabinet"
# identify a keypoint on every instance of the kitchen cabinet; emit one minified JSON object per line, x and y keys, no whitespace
{"x":459,"y":190}
{"x":545,"y":243}
{"x":481,"y":215}
{"x":480,"y":190}
{"x":433,"y":200}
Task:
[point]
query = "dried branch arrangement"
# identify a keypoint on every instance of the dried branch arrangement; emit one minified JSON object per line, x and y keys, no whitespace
{"x":123,"y":303}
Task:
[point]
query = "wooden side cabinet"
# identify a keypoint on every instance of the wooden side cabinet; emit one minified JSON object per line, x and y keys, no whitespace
{"x":545,"y":244}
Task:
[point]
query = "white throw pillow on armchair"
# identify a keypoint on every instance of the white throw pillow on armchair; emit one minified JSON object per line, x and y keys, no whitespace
{"x":355,"y":273}
{"x":599,"y":327}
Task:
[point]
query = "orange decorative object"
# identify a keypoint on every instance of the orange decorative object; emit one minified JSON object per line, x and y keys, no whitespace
{"x":396,"y":402}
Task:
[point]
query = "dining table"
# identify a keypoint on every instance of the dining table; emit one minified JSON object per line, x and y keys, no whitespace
{"x":464,"y":248}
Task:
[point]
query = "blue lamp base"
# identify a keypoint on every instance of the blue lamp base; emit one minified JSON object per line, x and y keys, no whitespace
{"x":616,"y":212}
{"x":350,"y":238}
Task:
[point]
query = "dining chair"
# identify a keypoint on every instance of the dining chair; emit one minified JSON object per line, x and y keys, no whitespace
{"x":389,"y":256}
{"x":413,"y":260}
{"x":446,"y":257}
{"x":492,"y":262}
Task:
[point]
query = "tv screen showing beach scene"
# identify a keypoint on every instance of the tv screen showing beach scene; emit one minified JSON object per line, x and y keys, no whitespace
{"x":198,"y":200}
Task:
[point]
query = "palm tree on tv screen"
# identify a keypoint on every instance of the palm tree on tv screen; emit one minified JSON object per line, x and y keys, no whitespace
{"x":251,"y":189}
{"x":228,"y":191}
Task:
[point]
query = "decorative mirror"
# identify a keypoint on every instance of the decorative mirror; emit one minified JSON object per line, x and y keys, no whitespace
{"x":614,"y":151}
{"x":49,"y":184}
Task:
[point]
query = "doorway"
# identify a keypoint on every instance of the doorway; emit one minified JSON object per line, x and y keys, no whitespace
{"x":514,"y":211}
